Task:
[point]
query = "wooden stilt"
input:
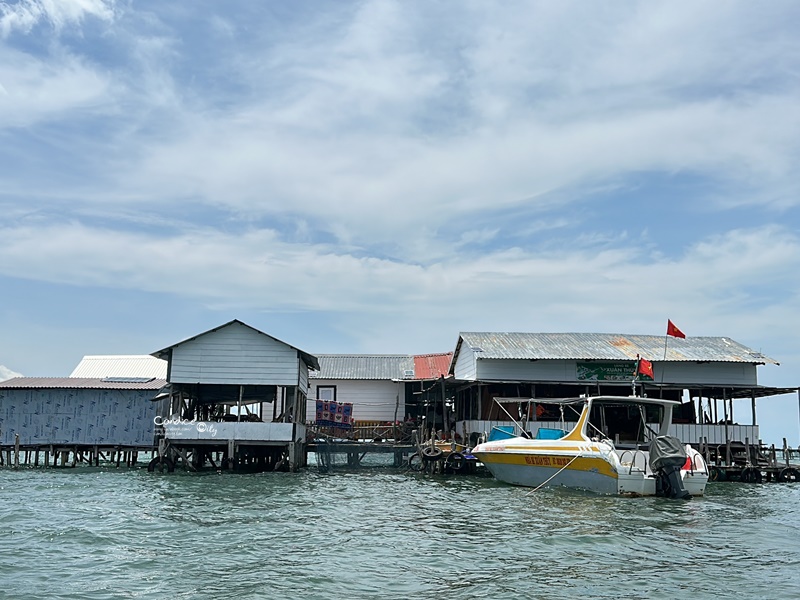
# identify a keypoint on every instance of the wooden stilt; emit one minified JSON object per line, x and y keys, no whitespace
{"x":16,"y":451}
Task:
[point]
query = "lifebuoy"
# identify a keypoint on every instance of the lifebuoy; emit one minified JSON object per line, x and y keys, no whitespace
{"x":751,"y":475}
{"x":789,"y":475}
{"x":160,"y":464}
{"x":431,"y":453}
{"x":456,"y":461}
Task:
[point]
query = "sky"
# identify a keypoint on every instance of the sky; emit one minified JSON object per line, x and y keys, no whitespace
{"x":378,"y":176}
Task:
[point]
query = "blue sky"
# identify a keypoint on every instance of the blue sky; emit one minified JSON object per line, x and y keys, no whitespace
{"x":377,"y":176}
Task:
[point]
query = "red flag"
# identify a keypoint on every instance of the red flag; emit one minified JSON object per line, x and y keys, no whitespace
{"x":674,"y":331}
{"x":645,"y":367}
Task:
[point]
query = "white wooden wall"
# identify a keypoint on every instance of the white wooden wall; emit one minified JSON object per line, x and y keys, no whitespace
{"x":720,"y":374}
{"x":303,"y":373}
{"x":465,"y":368}
{"x":372,"y":400}
{"x":235,"y":355}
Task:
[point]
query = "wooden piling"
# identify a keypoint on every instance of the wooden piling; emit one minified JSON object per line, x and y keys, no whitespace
{"x":16,"y":451}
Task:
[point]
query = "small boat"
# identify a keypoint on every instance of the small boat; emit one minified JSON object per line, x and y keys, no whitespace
{"x":619,"y":445}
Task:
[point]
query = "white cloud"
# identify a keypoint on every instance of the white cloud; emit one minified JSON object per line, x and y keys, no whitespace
{"x":6,"y":373}
{"x":715,"y":281}
{"x":442,"y":152}
{"x":24,"y":15}
{"x":35,"y":90}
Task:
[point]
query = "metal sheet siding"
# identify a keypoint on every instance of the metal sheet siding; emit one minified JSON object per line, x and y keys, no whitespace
{"x":609,"y":346}
{"x":77,"y":416}
{"x":235,"y":355}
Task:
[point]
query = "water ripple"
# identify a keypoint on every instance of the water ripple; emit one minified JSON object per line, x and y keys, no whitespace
{"x":98,"y":534}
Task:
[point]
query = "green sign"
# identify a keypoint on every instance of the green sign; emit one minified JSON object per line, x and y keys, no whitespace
{"x":609,"y":371}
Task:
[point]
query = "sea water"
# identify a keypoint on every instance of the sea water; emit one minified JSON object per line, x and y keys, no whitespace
{"x":97,"y":533}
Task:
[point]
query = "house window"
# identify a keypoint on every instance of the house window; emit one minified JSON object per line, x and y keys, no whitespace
{"x":326,"y":392}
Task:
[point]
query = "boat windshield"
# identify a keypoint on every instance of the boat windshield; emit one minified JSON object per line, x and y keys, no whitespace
{"x":625,"y":423}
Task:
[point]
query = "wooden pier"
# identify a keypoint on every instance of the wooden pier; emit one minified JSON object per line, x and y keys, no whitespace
{"x":748,"y":463}
{"x":71,"y":455}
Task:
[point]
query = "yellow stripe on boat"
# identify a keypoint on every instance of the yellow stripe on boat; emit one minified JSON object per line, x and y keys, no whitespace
{"x":593,"y":464}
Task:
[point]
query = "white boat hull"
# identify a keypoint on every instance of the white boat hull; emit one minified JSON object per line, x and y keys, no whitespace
{"x":532,"y":476}
{"x":595,"y":468}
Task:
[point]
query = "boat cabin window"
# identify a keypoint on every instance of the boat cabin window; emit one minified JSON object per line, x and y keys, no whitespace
{"x":623,"y":423}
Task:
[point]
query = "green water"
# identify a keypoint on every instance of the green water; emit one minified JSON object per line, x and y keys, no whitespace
{"x":381,"y":533}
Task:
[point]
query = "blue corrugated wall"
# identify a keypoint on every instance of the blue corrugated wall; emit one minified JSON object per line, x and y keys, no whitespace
{"x":77,"y":416}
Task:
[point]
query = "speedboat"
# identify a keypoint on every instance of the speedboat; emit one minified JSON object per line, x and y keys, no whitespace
{"x":619,"y":445}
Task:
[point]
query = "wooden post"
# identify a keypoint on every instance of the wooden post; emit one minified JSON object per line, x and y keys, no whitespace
{"x":16,"y":451}
{"x":785,"y":452}
{"x":747,"y":451}
{"x":46,"y":457}
{"x":36,"y":457}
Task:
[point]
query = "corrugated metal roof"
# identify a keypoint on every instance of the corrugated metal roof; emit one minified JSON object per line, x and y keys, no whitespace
{"x":86,"y":383}
{"x":611,"y":346}
{"x":364,"y":366}
{"x":431,"y":366}
{"x":122,"y":365}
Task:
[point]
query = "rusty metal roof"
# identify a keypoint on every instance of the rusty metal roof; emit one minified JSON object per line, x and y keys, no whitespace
{"x":431,"y":366}
{"x":86,"y":383}
{"x":608,"y":346}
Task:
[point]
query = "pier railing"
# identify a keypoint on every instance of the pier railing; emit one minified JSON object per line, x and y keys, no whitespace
{"x":688,"y":433}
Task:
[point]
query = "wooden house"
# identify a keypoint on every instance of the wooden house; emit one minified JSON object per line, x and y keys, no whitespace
{"x":237,"y":393}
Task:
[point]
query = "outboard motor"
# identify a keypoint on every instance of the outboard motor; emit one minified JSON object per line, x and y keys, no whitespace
{"x":667,"y":456}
